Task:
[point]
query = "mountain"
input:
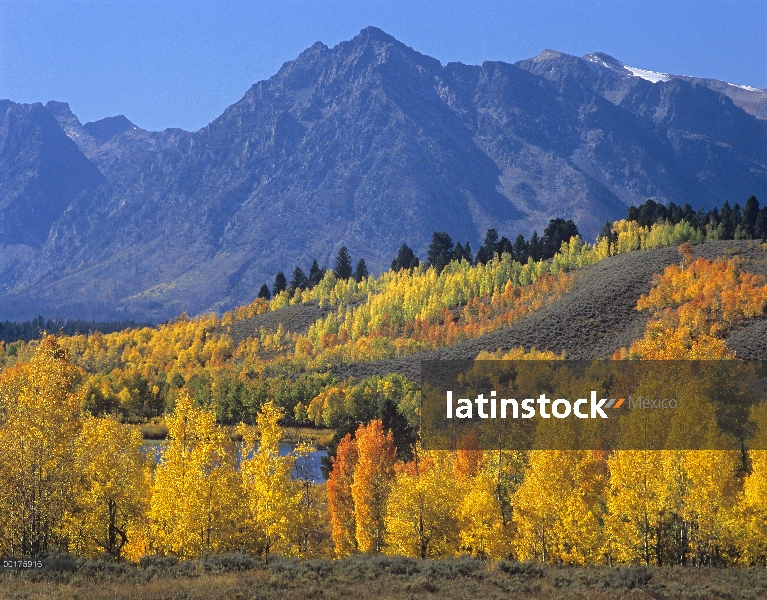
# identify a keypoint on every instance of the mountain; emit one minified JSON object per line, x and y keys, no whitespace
{"x":750,"y":99}
{"x":369,"y":144}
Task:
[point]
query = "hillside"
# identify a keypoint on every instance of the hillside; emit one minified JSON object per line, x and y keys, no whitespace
{"x":368,"y":144}
{"x":334,"y":356}
{"x":593,"y":320}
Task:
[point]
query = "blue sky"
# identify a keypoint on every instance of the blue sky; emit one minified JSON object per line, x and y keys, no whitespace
{"x":169,"y":63}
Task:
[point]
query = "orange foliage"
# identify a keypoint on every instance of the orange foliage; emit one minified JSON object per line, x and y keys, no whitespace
{"x":469,"y":459}
{"x":695,"y":304}
{"x":340,"y":501}
{"x":372,"y":480}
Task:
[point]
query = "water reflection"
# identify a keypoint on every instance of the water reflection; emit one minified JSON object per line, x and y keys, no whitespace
{"x":308,"y":467}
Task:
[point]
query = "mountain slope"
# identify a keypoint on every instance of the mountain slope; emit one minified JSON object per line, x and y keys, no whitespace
{"x":370,"y":145}
{"x":597,"y":317}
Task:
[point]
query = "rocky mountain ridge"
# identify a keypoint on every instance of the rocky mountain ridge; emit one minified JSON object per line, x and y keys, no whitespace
{"x":368,"y":144}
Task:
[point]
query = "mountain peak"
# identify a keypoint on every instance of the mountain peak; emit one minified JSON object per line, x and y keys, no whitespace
{"x":372,"y":33}
{"x":548,"y":54}
{"x":605,"y":60}
{"x":107,"y":128}
{"x":62,"y":112}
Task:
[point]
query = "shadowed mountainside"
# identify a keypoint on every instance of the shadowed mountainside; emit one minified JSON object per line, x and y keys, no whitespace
{"x":368,"y":144}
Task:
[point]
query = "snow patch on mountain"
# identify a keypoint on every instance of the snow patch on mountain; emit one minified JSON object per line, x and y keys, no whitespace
{"x":746,"y":87}
{"x":653,"y":76}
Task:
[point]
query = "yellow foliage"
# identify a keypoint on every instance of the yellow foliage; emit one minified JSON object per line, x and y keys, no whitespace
{"x":422,"y":513}
{"x":196,"y":492}
{"x":39,"y":422}
{"x":272,"y":498}
{"x":111,"y":494}
{"x":559,"y":509}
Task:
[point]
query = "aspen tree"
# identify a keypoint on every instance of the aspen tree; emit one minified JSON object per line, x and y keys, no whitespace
{"x":422,"y":516}
{"x":272,"y":498}
{"x":111,"y":492}
{"x":195,"y":496}
{"x":340,"y":500}
{"x":39,"y":422}
{"x":558,"y":507}
{"x":371,"y":485}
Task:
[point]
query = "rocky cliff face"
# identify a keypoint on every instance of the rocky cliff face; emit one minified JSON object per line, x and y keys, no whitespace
{"x":369,"y":144}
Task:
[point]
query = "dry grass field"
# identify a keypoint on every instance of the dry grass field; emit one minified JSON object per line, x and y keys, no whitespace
{"x":371,"y":577}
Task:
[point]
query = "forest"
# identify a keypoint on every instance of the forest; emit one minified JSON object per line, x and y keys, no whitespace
{"x":76,"y":477}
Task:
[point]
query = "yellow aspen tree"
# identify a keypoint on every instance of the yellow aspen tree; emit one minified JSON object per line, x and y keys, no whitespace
{"x":39,"y":421}
{"x":752,"y":509}
{"x":635,"y":503}
{"x":558,"y":508}
{"x":111,"y":492}
{"x":313,"y":502}
{"x":422,"y":511}
{"x":483,"y":533}
{"x":272,"y":498}
{"x":699,"y":483}
{"x":195,"y":496}
{"x":710,"y":505}
{"x":139,"y":530}
{"x":340,"y":501}
{"x":372,"y":481}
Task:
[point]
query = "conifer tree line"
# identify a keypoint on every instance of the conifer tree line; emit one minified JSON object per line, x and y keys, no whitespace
{"x":12,"y":331}
{"x":301,"y":281}
{"x":442,"y":251}
{"x":727,"y":223}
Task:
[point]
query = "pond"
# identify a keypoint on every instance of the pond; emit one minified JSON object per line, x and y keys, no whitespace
{"x":311,"y":465}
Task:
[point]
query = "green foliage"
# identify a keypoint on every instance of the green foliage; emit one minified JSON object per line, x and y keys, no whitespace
{"x":299,"y":280}
{"x":405,"y":259}
{"x":440,"y":250}
{"x":361,"y":271}
{"x":315,"y":274}
{"x":343,"y":268}
{"x":557,"y":232}
{"x":280,"y":283}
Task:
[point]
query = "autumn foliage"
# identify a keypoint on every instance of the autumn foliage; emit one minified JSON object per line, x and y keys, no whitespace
{"x":77,"y":477}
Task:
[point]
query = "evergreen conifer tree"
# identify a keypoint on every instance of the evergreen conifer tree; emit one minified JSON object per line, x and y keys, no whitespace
{"x":315,"y":274}
{"x":280,"y":283}
{"x":505,"y":247}
{"x":521,"y":251}
{"x":468,"y":253}
{"x":440,"y":250}
{"x":264,"y":292}
{"x":405,"y":259}
{"x":343,"y":268}
{"x":299,"y":280}
{"x":361,"y":271}
{"x":749,"y":216}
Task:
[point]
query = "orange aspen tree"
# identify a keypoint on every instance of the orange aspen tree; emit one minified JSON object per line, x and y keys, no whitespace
{"x":340,"y":501}
{"x":370,"y":487}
